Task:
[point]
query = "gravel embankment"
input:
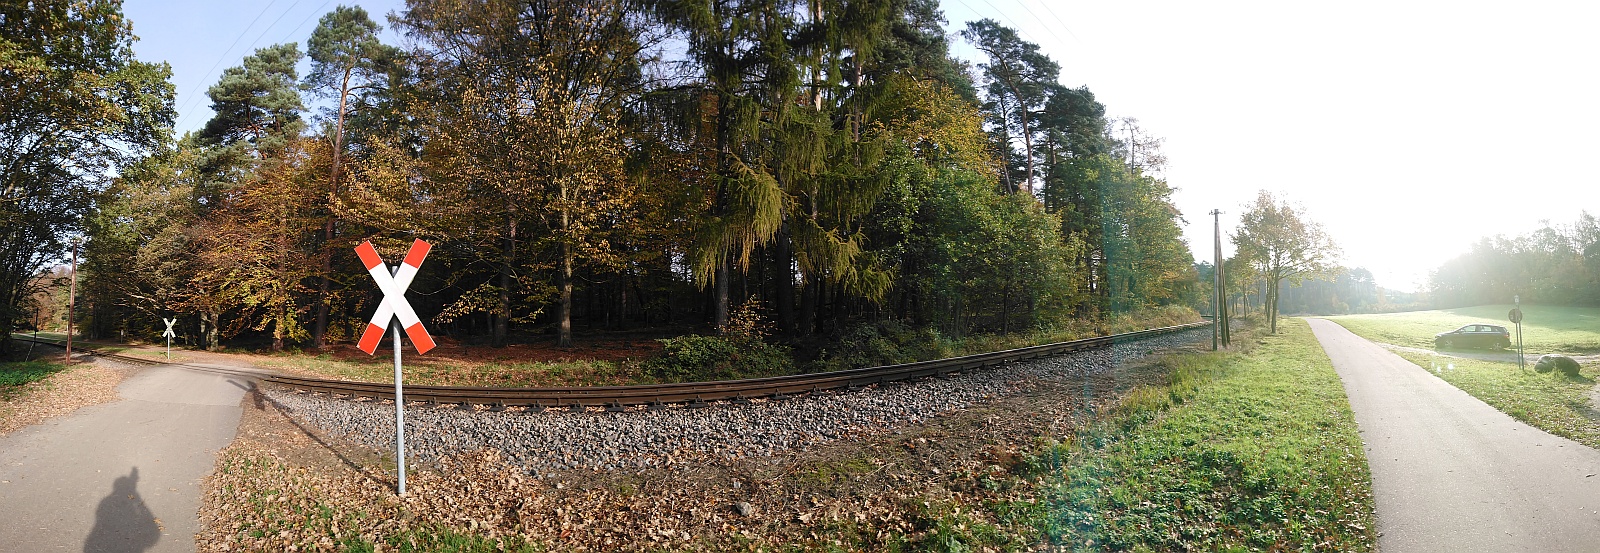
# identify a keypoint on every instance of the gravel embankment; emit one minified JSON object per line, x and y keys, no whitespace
{"x":557,"y":440}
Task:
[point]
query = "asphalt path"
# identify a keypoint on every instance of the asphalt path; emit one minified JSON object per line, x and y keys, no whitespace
{"x":122,"y":476}
{"x":1451,"y":473}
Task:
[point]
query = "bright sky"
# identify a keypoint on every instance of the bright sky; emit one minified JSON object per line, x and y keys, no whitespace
{"x":1408,"y":129}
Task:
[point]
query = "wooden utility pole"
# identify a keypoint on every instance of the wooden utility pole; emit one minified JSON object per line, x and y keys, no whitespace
{"x":1220,"y":296}
{"x":72,"y":297}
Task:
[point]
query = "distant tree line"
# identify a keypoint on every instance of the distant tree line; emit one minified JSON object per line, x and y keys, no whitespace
{"x":1285,"y":263}
{"x":604,"y":165}
{"x":1556,"y":264}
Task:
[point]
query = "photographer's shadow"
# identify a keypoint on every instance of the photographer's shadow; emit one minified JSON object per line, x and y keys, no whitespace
{"x":122,"y":522}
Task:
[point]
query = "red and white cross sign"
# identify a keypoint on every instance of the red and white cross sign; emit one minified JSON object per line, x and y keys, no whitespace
{"x":394,"y":297}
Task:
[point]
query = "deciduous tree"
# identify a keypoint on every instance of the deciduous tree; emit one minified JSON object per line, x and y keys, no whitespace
{"x":74,"y":105}
{"x":1284,"y":246}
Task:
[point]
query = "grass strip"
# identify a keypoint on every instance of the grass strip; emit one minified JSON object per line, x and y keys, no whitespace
{"x":426,"y":372}
{"x":1545,"y":328}
{"x":23,"y":372}
{"x":1241,"y":451}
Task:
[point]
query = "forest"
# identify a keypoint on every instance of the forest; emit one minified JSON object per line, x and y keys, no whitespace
{"x":1556,"y":264}
{"x":810,"y":169}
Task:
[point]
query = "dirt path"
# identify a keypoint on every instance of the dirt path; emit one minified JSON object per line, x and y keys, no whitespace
{"x":1450,"y":473}
{"x":121,"y":476}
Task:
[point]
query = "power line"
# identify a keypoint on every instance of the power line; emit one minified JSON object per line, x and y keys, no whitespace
{"x":260,"y":36}
{"x":274,"y":23}
{"x":1001,"y":14}
{"x":224,"y":55}
{"x":309,"y":17}
{"x":1052,"y":13}
{"x":1036,"y":17}
{"x":1014,"y":24}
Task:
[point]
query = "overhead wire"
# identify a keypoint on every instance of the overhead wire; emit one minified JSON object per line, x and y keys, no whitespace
{"x":997,"y":11}
{"x":207,"y":76}
{"x":258,"y":37}
{"x":308,"y":18}
{"x":274,"y":23}
{"x":1018,"y":27}
{"x":1064,"y":26}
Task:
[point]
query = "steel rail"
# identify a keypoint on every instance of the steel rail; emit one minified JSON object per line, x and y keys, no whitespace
{"x":693,"y":394}
{"x":143,"y":361}
{"x":701,"y":393}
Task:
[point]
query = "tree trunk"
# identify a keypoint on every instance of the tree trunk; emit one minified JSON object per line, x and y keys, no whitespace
{"x":783,"y":275}
{"x":720,"y":296}
{"x":208,"y":326}
{"x":1005,"y":310}
{"x":319,"y":326}
{"x":1272,"y":306}
{"x":564,"y":334}
{"x":277,"y":334}
{"x":808,"y":306}
{"x":1027,"y":144}
{"x":497,"y":338}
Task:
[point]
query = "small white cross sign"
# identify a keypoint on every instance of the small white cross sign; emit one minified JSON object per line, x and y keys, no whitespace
{"x":169,"y":333}
{"x":394,"y":297}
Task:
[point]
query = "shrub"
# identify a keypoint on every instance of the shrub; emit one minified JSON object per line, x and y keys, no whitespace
{"x":740,"y":353}
{"x":885,"y":343}
{"x":1560,"y":363}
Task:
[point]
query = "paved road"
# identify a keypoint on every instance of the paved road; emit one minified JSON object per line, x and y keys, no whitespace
{"x":121,"y":476}
{"x":1451,"y":473}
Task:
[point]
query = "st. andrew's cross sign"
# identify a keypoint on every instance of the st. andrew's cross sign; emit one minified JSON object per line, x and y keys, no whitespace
{"x":169,"y":335}
{"x":395,"y":307}
{"x":394,"y":297}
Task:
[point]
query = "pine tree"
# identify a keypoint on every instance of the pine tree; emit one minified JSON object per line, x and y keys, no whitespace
{"x":346,"y":59}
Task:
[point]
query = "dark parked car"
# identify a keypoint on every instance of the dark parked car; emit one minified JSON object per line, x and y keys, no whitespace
{"x":1474,"y":336}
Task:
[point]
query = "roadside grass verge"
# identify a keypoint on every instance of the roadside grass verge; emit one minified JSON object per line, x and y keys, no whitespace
{"x":1242,"y":450}
{"x":1552,"y":402}
{"x":890,"y":343}
{"x":429,"y":372}
{"x":19,"y":373}
{"x":1545,"y":328}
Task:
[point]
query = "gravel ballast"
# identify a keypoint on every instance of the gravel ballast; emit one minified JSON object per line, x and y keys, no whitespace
{"x":546,"y":441}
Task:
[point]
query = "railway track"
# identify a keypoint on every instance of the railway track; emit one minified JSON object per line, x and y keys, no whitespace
{"x":691,"y":394}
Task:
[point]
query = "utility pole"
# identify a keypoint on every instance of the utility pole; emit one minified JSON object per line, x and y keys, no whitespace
{"x":72,"y":296}
{"x":1219,"y":282}
{"x":35,"y":331}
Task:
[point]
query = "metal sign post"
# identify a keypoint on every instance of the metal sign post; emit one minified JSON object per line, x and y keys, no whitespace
{"x":169,"y":334}
{"x":1516,"y":317}
{"x":397,"y":311}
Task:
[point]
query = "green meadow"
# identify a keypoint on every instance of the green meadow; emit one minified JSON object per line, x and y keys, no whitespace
{"x":1545,"y":328}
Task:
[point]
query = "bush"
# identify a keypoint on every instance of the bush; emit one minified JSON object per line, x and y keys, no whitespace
{"x":1560,"y":363}
{"x":706,"y":358}
{"x":740,"y":353}
{"x":885,"y":343}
